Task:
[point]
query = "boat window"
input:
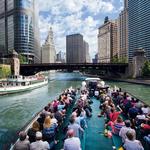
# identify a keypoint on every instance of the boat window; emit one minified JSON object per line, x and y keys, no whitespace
{"x":23,"y":83}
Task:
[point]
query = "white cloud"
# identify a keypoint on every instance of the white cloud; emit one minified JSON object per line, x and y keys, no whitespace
{"x":68,"y":17}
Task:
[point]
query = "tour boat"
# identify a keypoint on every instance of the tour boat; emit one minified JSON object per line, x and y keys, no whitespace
{"x":15,"y":84}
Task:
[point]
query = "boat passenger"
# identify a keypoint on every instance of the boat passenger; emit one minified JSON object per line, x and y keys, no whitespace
{"x":118,"y":124}
{"x":39,"y":144}
{"x":48,"y":130}
{"x":144,"y":129}
{"x":131,"y":143}
{"x":125,"y":129}
{"x":32,"y":131}
{"x":46,"y":111}
{"x":145,"y":109}
{"x":76,"y":127}
{"x":114,"y":114}
{"x":72,"y":142}
{"x":40,"y":120}
{"x":59,"y":115}
{"x":53,"y":119}
{"x":23,"y":143}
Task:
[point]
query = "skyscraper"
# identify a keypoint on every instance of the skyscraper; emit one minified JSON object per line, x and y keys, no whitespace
{"x":107,"y":41}
{"x":139,"y":26}
{"x":87,"y":55}
{"x":19,"y":29}
{"x":75,"y":49}
{"x":48,"y":49}
{"x":123,"y":32}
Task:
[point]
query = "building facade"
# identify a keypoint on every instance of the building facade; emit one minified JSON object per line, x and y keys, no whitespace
{"x":107,"y":41}
{"x":87,"y":55}
{"x":139,"y":26}
{"x":123,"y":32}
{"x":48,"y":49}
{"x":60,"y":57}
{"x":75,"y":49}
{"x":19,"y":29}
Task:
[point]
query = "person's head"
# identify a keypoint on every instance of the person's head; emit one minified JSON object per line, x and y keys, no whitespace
{"x":47,"y":122}
{"x":38,"y":135}
{"x":119,"y":119}
{"x":130,"y":135}
{"x":51,"y":115}
{"x":36,"y":126}
{"x":127,"y":123}
{"x":42,"y":115}
{"x":22,"y":135}
{"x":112,"y":110}
{"x":72,"y":120}
{"x":70,"y":133}
{"x":145,"y":106}
{"x":46,"y":108}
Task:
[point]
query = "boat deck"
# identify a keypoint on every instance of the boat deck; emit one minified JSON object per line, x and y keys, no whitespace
{"x":94,"y":137}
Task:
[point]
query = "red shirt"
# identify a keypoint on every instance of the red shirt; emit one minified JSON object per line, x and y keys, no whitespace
{"x":146,"y":126}
{"x":113,"y":116}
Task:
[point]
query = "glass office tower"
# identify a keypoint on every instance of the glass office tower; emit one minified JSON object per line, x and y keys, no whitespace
{"x":139,"y":26}
{"x":19,"y":29}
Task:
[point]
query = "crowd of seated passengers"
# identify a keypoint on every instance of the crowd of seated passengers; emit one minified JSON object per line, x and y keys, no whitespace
{"x":44,"y":129}
{"x":131,"y":108}
{"x":77,"y":122}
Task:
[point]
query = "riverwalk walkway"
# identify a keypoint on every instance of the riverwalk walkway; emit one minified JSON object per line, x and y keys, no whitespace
{"x":136,"y":81}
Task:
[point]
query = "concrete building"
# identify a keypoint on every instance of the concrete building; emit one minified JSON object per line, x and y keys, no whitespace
{"x":107,"y":41}
{"x":123,"y":32}
{"x":87,"y":55}
{"x":19,"y":29}
{"x":75,"y":49}
{"x":95,"y":59}
{"x":48,"y":49}
{"x":60,"y":57}
{"x":139,"y":26}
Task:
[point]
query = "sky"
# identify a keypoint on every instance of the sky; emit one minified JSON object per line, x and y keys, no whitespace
{"x":75,"y":16}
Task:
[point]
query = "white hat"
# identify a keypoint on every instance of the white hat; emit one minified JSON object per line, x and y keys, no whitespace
{"x":38,"y":134}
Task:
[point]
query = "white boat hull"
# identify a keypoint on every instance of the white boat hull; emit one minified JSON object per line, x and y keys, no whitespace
{"x":16,"y":89}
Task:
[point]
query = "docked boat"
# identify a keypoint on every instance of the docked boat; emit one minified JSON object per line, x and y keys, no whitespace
{"x":15,"y":84}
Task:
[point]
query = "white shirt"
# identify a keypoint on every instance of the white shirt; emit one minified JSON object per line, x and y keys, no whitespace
{"x":133,"y":145}
{"x":39,"y":145}
{"x":123,"y":131}
{"x":141,"y":117}
{"x":145,"y":110}
{"x":72,"y":144}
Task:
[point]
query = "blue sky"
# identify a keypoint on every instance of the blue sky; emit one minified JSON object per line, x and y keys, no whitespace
{"x":76,"y":16}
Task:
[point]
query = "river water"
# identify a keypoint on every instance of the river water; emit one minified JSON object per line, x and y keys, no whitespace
{"x":17,"y":109}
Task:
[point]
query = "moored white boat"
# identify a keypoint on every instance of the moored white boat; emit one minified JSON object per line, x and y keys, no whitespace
{"x":15,"y":84}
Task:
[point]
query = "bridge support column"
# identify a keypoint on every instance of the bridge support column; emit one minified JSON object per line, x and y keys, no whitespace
{"x":138,"y":63}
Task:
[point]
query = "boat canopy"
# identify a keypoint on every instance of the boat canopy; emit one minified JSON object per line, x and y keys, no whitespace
{"x":93,"y":79}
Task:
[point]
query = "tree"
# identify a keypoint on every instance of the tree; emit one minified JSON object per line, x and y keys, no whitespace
{"x":22,"y":59}
{"x":5,"y":70}
{"x":146,"y":69}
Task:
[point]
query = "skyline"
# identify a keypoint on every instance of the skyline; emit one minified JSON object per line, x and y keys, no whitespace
{"x":72,"y":16}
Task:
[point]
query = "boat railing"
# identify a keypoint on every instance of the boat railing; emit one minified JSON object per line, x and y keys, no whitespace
{"x":134,"y":96}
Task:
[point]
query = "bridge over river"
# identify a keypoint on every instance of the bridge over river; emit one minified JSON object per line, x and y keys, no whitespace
{"x":30,"y":69}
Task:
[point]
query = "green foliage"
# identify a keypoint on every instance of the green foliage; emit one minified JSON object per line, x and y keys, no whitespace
{"x":5,"y":70}
{"x":146,"y":68}
{"x":22,"y":59}
{"x":116,"y":59}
